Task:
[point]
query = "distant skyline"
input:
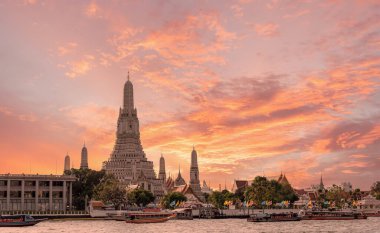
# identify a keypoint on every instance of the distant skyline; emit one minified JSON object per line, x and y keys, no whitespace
{"x":257,"y":86}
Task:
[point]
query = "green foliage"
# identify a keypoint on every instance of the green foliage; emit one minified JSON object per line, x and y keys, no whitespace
{"x":109,"y":191}
{"x":356,"y":194}
{"x":263,"y":189}
{"x":337,"y":195}
{"x":375,"y":190}
{"x":218,"y":198}
{"x":140,"y":197}
{"x":84,"y":186}
{"x":172,"y":197}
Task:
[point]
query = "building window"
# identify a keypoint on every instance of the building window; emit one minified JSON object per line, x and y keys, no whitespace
{"x":15,"y":182}
{"x":57,"y":183}
{"x":15,"y":194}
{"x":30,"y":194}
{"x":43,"y":194}
{"x":30,"y":183}
{"x":43,"y":183}
{"x":3,"y":194}
{"x":3,"y":182}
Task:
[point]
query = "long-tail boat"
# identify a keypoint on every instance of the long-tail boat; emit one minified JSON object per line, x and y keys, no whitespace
{"x":21,"y":220}
{"x":275,"y":217}
{"x":332,"y":215}
{"x":148,"y":217}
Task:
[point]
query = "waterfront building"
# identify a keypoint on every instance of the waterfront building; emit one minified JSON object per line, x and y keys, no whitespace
{"x":67,"y":163}
{"x":194,"y":175}
{"x":162,"y":172}
{"x":191,"y":196}
{"x":35,"y":192}
{"x":84,"y":158}
{"x":369,"y":202}
{"x":128,"y":162}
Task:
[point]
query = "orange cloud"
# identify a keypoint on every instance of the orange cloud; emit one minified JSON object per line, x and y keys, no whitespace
{"x":266,"y":30}
{"x":80,"y":67}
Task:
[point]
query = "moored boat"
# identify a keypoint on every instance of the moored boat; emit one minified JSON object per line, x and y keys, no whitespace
{"x":372,"y":213}
{"x":332,"y":215}
{"x":183,"y":214}
{"x":275,"y":217}
{"x":152,"y":217}
{"x":21,"y":220}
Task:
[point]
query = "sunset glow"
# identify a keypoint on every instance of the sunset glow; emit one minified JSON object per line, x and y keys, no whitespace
{"x":258,"y":87}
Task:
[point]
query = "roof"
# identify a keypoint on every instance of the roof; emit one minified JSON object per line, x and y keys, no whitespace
{"x":300,"y":192}
{"x":240,"y":184}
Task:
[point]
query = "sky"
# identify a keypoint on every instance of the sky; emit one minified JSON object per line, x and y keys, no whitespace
{"x":259,"y":87}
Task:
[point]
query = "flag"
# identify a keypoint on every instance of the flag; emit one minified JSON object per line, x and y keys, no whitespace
{"x":172,"y":203}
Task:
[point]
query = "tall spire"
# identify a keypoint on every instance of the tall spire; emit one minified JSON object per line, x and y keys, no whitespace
{"x":128,"y":96}
{"x":162,"y":172}
{"x":321,"y":185}
{"x":84,"y":158}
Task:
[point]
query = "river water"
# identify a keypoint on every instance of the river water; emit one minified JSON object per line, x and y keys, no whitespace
{"x":197,"y":225}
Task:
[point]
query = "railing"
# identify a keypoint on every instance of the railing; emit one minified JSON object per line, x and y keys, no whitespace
{"x":46,"y":212}
{"x":36,"y":175}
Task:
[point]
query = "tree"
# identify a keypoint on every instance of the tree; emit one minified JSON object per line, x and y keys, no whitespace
{"x":259,"y":191}
{"x":263,"y":189}
{"x":140,"y":197}
{"x":375,"y":190}
{"x":173,"y":197}
{"x":109,"y":191}
{"x":356,"y":195}
{"x":84,"y":186}
{"x":218,"y":198}
{"x":337,"y":195}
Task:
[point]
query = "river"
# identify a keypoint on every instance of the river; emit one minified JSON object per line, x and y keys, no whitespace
{"x":197,"y":225}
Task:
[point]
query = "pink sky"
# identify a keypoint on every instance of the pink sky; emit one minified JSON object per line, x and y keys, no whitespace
{"x":259,"y":87}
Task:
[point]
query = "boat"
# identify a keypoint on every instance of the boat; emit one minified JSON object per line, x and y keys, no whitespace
{"x":21,"y":220}
{"x":184,"y":214}
{"x":332,"y":215}
{"x":98,"y":209}
{"x":372,"y":213}
{"x":152,"y":217}
{"x":275,"y":217}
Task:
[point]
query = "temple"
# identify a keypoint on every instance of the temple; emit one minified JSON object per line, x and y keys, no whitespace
{"x":84,"y":158}
{"x":128,"y":162}
{"x":194,"y":175}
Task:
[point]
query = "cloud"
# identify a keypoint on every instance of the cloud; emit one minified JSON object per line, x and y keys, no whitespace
{"x":297,"y":14}
{"x":29,"y":117}
{"x":266,"y":30}
{"x":80,"y":67}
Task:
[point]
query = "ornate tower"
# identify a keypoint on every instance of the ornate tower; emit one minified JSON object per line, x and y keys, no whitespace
{"x":194,"y":175}
{"x":321,"y":185}
{"x":162,"y":173}
{"x":84,"y":158}
{"x":67,"y":163}
{"x":128,"y":162}
{"x":179,"y":180}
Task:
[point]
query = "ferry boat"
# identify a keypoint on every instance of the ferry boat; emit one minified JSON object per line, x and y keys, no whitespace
{"x":275,"y":217}
{"x":372,"y":213}
{"x":148,"y":217}
{"x":332,"y":215}
{"x":21,"y":220}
